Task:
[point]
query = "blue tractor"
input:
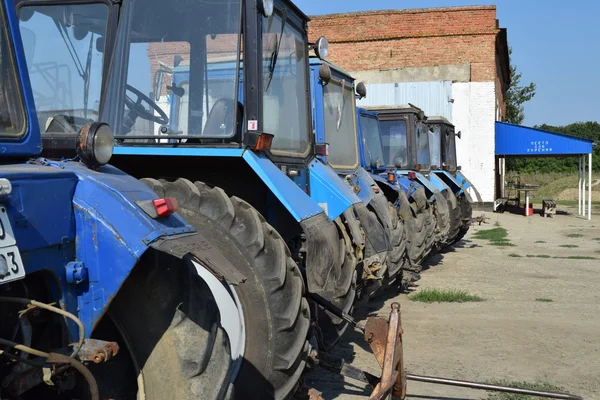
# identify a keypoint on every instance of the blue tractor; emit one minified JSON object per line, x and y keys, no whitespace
{"x":442,"y":139}
{"x":405,"y":138}
{"x":402,"y":213}
{"x":106,"y":292}
{"x":223,"y":125}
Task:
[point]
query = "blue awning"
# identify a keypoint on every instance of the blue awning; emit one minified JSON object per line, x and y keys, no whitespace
{"x":517,"y":140}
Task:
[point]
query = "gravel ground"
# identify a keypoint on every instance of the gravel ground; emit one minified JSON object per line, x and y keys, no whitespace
{"x":509,"y":336}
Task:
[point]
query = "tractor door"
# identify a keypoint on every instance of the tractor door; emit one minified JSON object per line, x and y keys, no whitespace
{"x":19,"y":134}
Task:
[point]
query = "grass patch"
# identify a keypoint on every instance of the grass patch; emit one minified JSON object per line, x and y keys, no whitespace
{"x":518,"y":255}
{"x":546,"y":386}
{"x":444,"y":296}
{"x":568,"y":246}
{"x":539,"y":256}
{"x":578,"y":258}
{"x":540,"y":241}
{"x":597,"y":239}
{"x":496,"y":236}
{"x":544,"y":300}
{"x":574,"y":235}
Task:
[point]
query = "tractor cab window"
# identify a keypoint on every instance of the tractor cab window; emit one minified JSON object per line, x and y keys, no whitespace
{"x":450,"y":148}
{"x":174,"y":71}
{"x":435,"y":145}
{"x":372,"y":148}
{"x":422,"y":146}
{"x":12,"y":113}
{"x":285,"y":83}
{"x":64,"y":48}
{"x":340,"y":120}
{"x":395,"y":148}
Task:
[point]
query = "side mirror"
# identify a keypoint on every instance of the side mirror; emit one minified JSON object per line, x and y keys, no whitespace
{"x":79,"y":32}
{"x":361,"y":90}
{"x":100,"y":44}
{"x":421,"y":115}
{"x":25,"y":14}
{"x":158,"y":80}
{"x":324,"y":74}
{"x":177,"y":60}
{"x":459,"y":134}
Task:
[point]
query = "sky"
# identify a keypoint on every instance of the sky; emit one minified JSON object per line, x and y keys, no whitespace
{"x":556,"y":45}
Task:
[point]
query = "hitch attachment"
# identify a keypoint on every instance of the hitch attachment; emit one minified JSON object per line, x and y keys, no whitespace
{"x":385,"y":339}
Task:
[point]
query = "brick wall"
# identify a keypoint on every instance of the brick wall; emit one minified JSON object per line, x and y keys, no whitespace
{"x":413,"y":38}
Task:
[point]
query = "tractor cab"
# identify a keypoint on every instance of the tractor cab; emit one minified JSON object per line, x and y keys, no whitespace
{"x":406,"y":146}
{"x":443,"y":139}
{"x":443,"y":132}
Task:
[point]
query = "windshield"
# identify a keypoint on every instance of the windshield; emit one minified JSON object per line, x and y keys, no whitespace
{"x":174,"y":72}
{"x":12,"y":114}
{"x":393,"y":136}
{"x":372,"y":148}
{"x":64,"y":51}
{"x":450,"y":148}
{"x":340,"y":120}
{"x":435,"y":145}
{"x":285,"y":100}
{"x":422,"y":146}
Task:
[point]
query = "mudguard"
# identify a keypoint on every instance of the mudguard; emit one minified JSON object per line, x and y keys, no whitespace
{"x":449,"y":180}
{"x":462,"y":180}
{"x":413,"y":190}
{"x":329,"y":190}
{"x":439,"y":183}
{"x":294,"y":199}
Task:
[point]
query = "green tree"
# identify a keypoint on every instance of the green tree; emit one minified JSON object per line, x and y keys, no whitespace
{"x":517,"y":95}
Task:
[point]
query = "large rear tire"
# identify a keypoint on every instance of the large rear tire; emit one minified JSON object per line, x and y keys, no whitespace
{"x":420,"y":235}
{"x":441,"y":212}
{"x":455,"y":217}
{"x":167,"y":323}
{"x":277,"y":344}
{"x":397,"y":257}
{"x":466,"y":211}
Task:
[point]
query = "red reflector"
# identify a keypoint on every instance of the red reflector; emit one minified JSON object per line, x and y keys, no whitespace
{"x":412,"y":175}
{"x":391,"y":177}
{"x":165,"y":207}
{"x":325,"y":150}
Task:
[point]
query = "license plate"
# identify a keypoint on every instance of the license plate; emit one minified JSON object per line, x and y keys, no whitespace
{"x":9,"y":251}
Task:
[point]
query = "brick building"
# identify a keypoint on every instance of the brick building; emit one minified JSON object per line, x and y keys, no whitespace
{"x":448,"y":61}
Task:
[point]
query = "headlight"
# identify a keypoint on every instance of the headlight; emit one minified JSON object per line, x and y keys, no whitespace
{"x":266,"y":7}
{"x":95,"y":144}
{"x":322,"y":48}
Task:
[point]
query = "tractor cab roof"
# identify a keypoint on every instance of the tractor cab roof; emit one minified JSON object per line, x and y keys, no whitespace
{"x":438,"y":120}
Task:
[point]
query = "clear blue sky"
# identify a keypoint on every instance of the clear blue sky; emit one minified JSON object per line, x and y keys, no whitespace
{"x":556,"y":44}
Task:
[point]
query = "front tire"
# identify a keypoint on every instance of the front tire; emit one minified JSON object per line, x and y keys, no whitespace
{"x":277,"y":323}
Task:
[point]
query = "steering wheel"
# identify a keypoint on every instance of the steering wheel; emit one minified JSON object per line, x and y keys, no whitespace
{"x":137,"y":107}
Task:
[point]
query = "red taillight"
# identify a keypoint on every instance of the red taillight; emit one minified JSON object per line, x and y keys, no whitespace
{"x":391,"y":177}
{"x":412,"y":175}
{"x":165,"y":207}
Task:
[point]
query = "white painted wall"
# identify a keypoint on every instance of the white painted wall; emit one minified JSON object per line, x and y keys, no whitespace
{"x":474,"y":114}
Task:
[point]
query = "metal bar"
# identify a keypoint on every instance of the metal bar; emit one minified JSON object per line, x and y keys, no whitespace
{"x":335,"y":310}
{"x":490,"y":387}
{"x":389,"y":373}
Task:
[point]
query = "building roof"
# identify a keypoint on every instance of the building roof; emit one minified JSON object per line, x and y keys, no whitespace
{"x":517,"y":140}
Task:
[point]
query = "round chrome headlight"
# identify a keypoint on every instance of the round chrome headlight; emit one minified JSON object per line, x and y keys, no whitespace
{"x":322,"y":48}
{"x":266,"y":7}
{"x":95,"y":143}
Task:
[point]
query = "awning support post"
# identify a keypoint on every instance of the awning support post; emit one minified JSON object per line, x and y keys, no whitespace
{"x":583,"y":203}
{"x":590,"y":188}
{"x":579,"y":187}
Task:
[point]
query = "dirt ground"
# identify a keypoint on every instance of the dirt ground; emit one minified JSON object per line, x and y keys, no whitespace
{"x":509,"y":336}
